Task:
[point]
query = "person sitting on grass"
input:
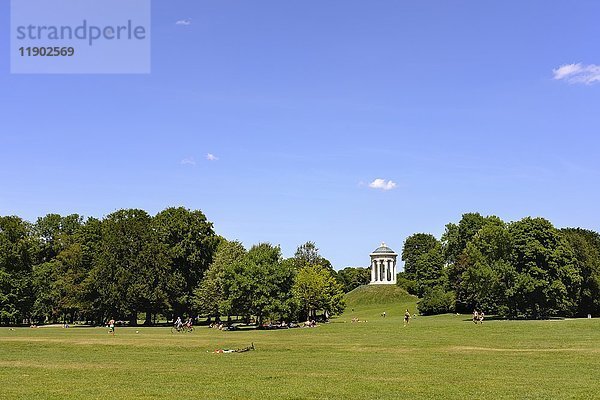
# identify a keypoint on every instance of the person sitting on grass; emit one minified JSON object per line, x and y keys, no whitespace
{"x":310,"y":323}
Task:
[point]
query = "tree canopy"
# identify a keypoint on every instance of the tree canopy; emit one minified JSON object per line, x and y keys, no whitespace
{"x":523,"y":269}
{"x":131,"y":264}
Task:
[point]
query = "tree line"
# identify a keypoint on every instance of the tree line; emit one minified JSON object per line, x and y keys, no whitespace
{"x":522,"y":269}
{"x":131,"y":264}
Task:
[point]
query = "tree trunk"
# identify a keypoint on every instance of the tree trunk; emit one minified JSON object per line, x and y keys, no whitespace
{"x":133,"y":318}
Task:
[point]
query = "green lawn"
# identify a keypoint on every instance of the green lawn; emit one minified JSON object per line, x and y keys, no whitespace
{"x":445,"y":357}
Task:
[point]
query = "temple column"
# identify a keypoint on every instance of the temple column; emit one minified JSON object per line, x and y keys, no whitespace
{"x":372,"y":273}
{"x":385,"y":269}
{"x":375,"y":271}
{"x":389,"y":271}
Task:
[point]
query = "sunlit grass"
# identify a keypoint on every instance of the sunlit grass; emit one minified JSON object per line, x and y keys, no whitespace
{"x":446,"y":357}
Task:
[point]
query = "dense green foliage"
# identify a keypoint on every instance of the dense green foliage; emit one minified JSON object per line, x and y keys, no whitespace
{"x":17,"y":257}
{"x":353,"y":277}
{"x":410,"y":285}
{"x":436,"y":300}
{"x":173,"y":264}
{"x":208,"y":296}
{"x":131,"y":264}
{"x":586,"y":248}
{"x":190,"y":244}
{"x":68,"y":268}
{"x":316,"y":289}
{"x":260,"y":283}
{"x":526,"y":268}
{"x":416,"y":247}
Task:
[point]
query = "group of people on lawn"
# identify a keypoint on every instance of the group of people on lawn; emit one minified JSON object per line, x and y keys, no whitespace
{"x":478,"y":316}
{"x":310,"y":323}
{"x":179,"y":324}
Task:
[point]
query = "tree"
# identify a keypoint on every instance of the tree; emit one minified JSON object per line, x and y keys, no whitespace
{"x":308,"y":254}
{"x":259,"y":284}
{"x":316,"y":290}
{"x":17,"y":257}
{"x":454,"y":245}
{"x":456,"y":237}
{"x":415,"y":246}
{"x":586,"y":247}
{"x":352,"y":277}
{"x":423,"y":261}
{"x":547,"y":280}
{"x":54,"y":232}
{"x":436,"y":301}
{"x":430,"y":270}
{"x":58,"y":279}
{"x":190,"y":243}
{"x":59,"y":285}
{"x":133,"y":267}
{"x":486,"y":270}
{"x":209,"y":294}
{"x":407,"y":284}
{"x":90,"y":238}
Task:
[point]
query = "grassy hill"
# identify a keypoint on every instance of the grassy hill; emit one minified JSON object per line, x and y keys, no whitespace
{"x":372,"y":300}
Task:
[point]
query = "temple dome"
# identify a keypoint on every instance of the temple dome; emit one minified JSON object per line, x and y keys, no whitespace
{"x":383,"y":249}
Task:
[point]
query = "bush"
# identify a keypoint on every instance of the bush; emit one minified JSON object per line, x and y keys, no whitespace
{"x":436,"y":301}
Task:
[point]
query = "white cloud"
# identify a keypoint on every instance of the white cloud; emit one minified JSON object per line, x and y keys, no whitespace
{"x":382,"y":184}
{"x":578,"y":73}
{"x":187,"y":21}
{"x":188,"y":161}
{"x":211,"y":157}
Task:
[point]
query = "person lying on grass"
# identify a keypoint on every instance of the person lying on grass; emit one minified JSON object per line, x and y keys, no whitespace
{"x":242,"y":350}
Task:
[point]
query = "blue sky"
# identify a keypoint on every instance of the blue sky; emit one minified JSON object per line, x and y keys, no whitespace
{"x":463,"y":105}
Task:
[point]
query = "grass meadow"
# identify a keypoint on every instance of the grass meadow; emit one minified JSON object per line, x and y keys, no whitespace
{"x":438,"y":357}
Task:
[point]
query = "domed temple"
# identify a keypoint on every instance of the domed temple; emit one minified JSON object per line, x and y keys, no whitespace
{"x":383,"y":266}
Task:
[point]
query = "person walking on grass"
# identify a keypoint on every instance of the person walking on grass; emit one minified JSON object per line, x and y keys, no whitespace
{"x":111,"y":327}
{"x":406,"y":317}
